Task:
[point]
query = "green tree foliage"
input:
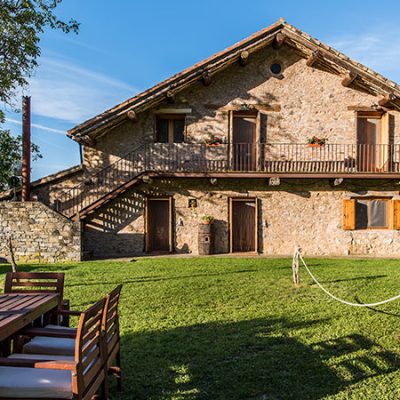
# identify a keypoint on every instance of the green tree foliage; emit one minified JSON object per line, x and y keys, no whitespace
{"x":10,"y":157}
{"x":21,"y":24}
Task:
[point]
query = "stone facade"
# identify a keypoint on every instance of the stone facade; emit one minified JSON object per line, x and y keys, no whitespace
{"x":38,"y":233}
{"x":300,"y":103}
{"x":304,"y":212}
{"x":306,"y":102}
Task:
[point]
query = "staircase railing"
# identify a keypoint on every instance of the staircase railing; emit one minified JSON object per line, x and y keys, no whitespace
{"x":70,"y":202}
{"x":237,"y":157}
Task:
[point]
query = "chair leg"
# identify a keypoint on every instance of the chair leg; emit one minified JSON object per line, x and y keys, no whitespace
{"x":104,"y":389}
{"x":119,"y":373}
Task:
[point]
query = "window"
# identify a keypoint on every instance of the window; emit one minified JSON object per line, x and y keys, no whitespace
{"x":276,"y":68}
{"x":371,"y":213}
{"x":170,"y":129}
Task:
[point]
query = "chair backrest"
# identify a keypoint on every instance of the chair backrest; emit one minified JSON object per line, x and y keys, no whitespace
{"x":35,"y":282}
{"x":111,"y":323}
{"x":89,"y":351}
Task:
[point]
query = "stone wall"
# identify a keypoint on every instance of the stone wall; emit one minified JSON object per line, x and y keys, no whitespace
{"x":304,"y":212}
{"x":306,"y":102}
{"x":38,"y":233}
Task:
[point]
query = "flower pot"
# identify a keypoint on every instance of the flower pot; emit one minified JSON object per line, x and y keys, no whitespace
{"x":315,"y":145}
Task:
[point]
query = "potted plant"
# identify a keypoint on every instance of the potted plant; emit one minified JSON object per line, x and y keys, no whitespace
{"x":316,"y":141}
{"x":207,"y":219}
{"x":213,"y":140}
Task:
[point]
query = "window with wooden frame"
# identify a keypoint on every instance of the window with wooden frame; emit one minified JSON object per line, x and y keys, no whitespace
{"x":170,"y":128}
{"x":371,"y":213}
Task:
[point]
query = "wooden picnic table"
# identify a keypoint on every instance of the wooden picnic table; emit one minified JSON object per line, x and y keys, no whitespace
{"x":18,"y":310}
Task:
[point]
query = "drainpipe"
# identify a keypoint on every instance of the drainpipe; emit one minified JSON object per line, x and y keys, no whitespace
{"x":26,"y":147}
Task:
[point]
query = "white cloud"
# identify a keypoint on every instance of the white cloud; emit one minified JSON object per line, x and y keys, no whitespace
{"x":37,"y":126}
{"x":378,"y":49}
{"x":63,"y":90}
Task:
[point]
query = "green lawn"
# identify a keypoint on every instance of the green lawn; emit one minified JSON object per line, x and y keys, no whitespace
{"x":233,"y":328}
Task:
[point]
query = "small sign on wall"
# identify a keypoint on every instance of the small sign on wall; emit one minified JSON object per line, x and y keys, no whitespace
{"x":192,"y":203}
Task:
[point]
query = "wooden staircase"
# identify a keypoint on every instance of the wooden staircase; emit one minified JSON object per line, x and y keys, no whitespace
{"x":103,"y":186}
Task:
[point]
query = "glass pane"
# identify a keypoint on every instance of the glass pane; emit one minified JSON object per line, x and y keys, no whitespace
{"x":362,"y":214}
{"x":179,"y":129}
{"x":377,"y":213}
{"x":162,"y":131}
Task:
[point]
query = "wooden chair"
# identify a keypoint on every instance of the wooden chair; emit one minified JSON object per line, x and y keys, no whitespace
{"x":41,"y":282}
{"x":78,"y":377}
{"x":58,"y":341}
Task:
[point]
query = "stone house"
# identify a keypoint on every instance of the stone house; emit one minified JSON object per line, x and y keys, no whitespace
{"x":281,"y":138}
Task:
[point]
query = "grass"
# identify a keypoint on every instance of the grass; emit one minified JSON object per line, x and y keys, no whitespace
{"x":234,"y":328}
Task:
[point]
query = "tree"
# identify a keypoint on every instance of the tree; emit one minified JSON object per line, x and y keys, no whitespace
{"x":21,"y":23}
{"x":10,"y":157}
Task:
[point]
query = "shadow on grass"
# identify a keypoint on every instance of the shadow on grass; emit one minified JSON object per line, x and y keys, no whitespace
{"x":254,"y":359}
{"x":157,"y":278}
{"x":359,"y":278}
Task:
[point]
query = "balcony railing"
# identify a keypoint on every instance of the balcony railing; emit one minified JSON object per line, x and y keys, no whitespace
{"x":240,"y":158}
{"x":274,"y":158}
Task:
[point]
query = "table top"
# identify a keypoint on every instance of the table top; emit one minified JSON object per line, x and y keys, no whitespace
{"x":18,"y":310}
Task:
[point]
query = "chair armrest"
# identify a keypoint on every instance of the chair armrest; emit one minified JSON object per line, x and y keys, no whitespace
{"x":49,"y":332}
{"x":41,"y":364}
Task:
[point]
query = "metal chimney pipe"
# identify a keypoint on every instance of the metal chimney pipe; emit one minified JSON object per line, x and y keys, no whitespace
{"x":26,"y":147}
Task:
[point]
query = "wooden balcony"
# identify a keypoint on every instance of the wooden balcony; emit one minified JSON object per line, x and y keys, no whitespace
{"x":275,"y":158}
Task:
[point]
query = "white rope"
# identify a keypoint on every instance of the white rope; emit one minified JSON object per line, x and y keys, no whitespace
{"x":379,"y":303}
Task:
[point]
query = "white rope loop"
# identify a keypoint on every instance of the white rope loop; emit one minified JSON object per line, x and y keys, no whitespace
{"x":379,"y":303}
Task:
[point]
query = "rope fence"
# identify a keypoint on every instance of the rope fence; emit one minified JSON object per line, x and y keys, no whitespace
{"x":296,"y":279}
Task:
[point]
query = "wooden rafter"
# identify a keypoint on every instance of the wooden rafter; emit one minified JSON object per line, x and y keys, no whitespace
{"x":244,"y":58}
{"x":279,"y":40}
{"x":170,"y":96}
{"x":349,"y":78}
{"x":132,"y":115}
{"x":387,"y":101}
{"x":206,"y":78}
{"x":314,"y":57}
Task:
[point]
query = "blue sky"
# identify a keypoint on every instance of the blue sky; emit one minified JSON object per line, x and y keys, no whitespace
{"x":126,"y":46}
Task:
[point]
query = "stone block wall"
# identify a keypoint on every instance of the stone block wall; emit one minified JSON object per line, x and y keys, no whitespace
{"x":306,"y":212}
{"x":38,"y":233}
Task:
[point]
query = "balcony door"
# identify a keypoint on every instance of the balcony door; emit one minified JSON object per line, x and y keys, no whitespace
{"x":372,"y":142}
{"x":244,"y":142}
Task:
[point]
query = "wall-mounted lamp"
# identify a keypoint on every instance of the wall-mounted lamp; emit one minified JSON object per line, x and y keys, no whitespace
{"x":180,"y":221}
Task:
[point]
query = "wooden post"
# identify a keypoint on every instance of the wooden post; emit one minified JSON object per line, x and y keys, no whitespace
{"x":26,"y":147}
{"x":295,"y":266}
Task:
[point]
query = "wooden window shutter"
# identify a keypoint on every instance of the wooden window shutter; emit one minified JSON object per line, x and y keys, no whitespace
{"x":396,"y":214}
{"x":349,"y":214}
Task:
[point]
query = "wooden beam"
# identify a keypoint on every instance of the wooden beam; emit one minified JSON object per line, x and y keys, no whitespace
{"x":244,"y":58}
{"x":206,"y":78}
{"x":386,"y":101}
{"x":279,"y":40}
{"x":132,"y":115}
{"x":349,"y":78}
{"x":313,"y":58}
{"x":88,"y":141}
{"x":170,"y":96}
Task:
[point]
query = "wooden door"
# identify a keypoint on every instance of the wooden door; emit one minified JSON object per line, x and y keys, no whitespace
{"x":243,"y":219}
{"x":159,"y":226}
{"x":244,"y":142}
{"x":370,"y":150}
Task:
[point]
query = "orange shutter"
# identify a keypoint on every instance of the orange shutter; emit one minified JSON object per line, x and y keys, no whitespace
{"x":349,"y":214}
{"x":396,"y":214}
